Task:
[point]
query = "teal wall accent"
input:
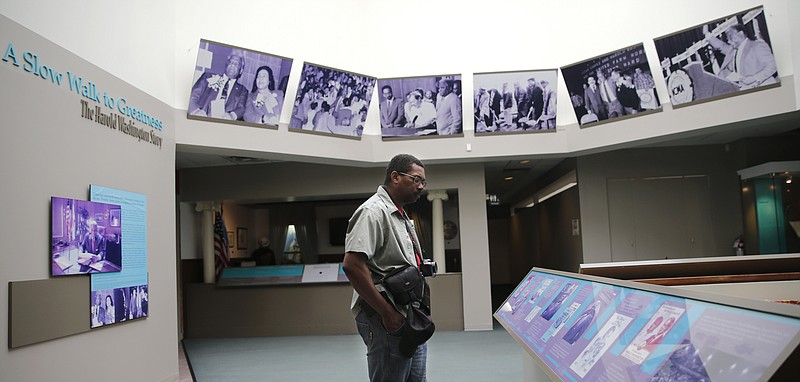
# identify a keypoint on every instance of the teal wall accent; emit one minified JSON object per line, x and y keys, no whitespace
{"x":769,"y":216}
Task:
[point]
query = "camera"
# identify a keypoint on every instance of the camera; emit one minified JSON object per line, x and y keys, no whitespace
{"x":428,"y":268}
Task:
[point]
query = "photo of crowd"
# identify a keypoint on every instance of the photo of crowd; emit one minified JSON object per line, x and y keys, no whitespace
{"x":611,"y":86}
{"x":515,"y":101}
{"x":719,"y":58}
{"x":234,"y":84}
{"x":331,"y":101}
{"x":421,"y":106}
{"x":118,"y":305}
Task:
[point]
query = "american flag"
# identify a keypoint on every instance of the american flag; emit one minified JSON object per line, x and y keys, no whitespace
{"x":220,"y":246}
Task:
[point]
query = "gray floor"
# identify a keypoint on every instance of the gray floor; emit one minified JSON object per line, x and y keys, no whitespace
{"x":452,"y":356}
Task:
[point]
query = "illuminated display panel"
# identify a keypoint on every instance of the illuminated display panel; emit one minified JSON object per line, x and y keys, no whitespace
{"x":585,"y":328}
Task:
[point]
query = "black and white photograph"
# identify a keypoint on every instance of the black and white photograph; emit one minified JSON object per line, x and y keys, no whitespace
{"x":116,"y":305}
{"x":331,"y":101}
{"x":421,"y":106}
{"x":518,"y":101}
{"x":610,"y":86}
{"x":718,"y":59}
{"x":238,"y":85}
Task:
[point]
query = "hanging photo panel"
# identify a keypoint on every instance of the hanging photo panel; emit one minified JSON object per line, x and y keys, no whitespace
{"x":718,"y":59}
{"x":237,"y":85}
{"x":413,"y":107}
{"x":515,"y":102}
{"x":331,"y":102}
{"x":611,"y":86}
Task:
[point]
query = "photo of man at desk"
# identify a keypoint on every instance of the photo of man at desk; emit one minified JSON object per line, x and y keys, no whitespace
{"x":414,"y":114}
{"x":86,"y":237}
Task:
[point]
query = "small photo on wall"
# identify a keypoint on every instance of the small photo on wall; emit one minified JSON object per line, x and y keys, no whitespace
{"x":718,"y":59}
{"x":518,"y":101}
{"x":421,"y":106}
{"x":237,"y":85}
{"x":331,"y":101}
{"x":611,"y":86}
{"x":86,"y":237}
{"x":111,"y":306}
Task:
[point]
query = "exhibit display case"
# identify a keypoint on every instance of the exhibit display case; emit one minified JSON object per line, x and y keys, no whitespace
{"x":587,"y":328}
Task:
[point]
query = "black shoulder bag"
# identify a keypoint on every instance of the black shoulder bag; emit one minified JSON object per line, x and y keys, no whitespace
{"x":407,"y":286}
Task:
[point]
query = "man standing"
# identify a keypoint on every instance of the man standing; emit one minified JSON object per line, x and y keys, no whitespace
{"x":391,"y":109}
{"x":748,"y":63}
{"x":220,"y":96}
{"x":380,"y":239}
{"x":537,"y":99}
{"x":608,"y":91}
{"x":482,"y":111}
{"x":508,"y":102}
{"x":594,"y":103}
{"x":495,"y":104}
{"x":547,"y":121}
{"x":448,"y":110}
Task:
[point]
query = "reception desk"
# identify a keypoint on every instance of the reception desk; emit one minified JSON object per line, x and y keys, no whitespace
{"x":297,"y":309}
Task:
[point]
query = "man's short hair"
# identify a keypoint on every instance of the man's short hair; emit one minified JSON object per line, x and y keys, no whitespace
{"x":384,"y":87}
{"x":740,"y":28}
{"x":238,"y":54}
{"x":400,"y":163}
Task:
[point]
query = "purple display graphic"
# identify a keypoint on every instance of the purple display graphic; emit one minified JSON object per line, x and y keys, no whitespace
{"x":236,"y":84}
{"x":612,"y":333}
{"x":86,"y":237}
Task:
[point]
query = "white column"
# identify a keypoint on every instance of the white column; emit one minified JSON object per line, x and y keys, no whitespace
{"x":207,"y":238}
{"x":437,"y":220}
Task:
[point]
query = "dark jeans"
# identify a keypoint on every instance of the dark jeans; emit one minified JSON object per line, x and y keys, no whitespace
{"x":384,"y":362}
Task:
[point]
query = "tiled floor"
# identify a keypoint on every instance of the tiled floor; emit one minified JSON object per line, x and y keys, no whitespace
{"x":452,"y":356}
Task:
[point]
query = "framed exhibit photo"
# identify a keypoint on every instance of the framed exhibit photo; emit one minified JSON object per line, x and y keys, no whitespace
{"x":331,"y":102}
{"x":718,"y":59}
{"x":415,"y":107}
{"x":614,"y":85}
{"x":85,"y":237}
{"x":230,"y":239}
{"x":111,"y":306}
{"x":515,"y":102}
{"x":237,"y":85}
{"x":241,"y":238}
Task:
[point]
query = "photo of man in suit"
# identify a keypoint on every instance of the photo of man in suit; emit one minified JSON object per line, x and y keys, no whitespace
{"x":448,"y":111}
{"x":391,"y":109}
{"x":94,"y":244}
{"x":594,"y":103}
{"x":749,"y":63}
{"x":220,"y":96}
{"x":718,"y":59}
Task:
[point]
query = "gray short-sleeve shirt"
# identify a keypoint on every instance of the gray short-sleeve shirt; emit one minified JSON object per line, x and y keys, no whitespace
{"x":378,"y":230}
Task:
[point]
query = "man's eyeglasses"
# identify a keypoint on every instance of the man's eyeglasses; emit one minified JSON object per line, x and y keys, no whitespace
{"x":416,"y":179}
